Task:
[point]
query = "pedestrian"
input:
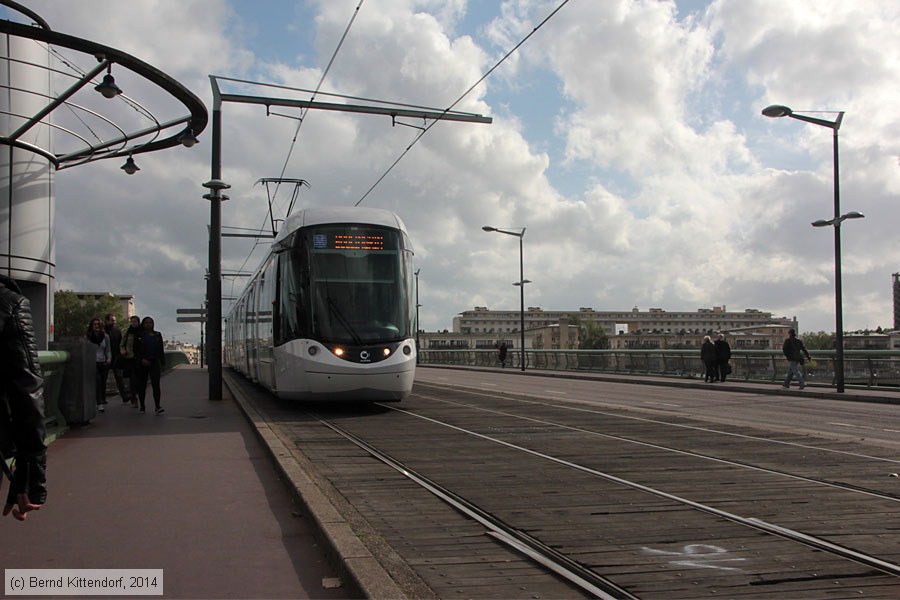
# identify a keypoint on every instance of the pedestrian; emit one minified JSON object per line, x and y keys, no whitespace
{"x":115,"y":345}
{"x":794,"y":350}
{"x":126,"y":349}
{"x":150,"y":359}
{"x":723,"y":355}
{"x":501,"y":354}
{"x":708,"y":356}
{"x":21,"y":405}
{"x":103,"y":358}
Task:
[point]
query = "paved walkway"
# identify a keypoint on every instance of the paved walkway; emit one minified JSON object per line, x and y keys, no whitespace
{"x":191,"y":491}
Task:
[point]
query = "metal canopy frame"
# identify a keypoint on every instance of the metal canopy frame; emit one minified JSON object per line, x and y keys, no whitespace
{"x":161,"y":134}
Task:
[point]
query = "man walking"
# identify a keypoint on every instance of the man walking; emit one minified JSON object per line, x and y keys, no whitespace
{"x":794,"y":351}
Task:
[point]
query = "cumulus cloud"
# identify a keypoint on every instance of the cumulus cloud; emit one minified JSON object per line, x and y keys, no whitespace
{"x":627,"y":139}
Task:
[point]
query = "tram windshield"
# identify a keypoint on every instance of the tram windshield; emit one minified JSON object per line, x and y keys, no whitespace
{"x":347,"y":284}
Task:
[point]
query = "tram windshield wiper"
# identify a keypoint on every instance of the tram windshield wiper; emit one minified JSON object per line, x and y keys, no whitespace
{"x":334,"y":310}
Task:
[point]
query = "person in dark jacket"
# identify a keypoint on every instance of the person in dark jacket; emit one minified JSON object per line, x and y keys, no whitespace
{"x":115,"y":345}
{"x":794,"y":351}
{"x":126,"y":351}
{"x":723,"y":355}
{"x":21,"y":405}
{"x":708,"y":356}
{"x":97,"y":336}
{"x":501,"y":354}
{"x":150,"y":359}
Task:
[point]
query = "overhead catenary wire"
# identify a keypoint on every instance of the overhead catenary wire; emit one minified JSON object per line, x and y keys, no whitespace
{"x":316,"y":91}
{"x":458,"y":100}
{"x":300,"y":122}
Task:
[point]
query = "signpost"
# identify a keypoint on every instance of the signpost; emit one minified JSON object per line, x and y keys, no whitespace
{"x":197,"y":315}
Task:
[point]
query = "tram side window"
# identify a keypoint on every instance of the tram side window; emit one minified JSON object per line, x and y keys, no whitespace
{"x":293,"y":273}
{"x":264,"y":302}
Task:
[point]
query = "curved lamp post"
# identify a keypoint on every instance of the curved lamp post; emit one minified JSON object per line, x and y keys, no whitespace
{"x":777,"y":110}
{"x":521,"y":283}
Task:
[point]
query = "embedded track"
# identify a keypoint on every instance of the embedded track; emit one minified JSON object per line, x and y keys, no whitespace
{"x":488,"y":495}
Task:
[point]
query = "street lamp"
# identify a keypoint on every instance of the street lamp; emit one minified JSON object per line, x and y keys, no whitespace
{"x":777,"y":110}
{"x":417,"y":314}
{"x":521,"y":283}
{"x":839,"y":335}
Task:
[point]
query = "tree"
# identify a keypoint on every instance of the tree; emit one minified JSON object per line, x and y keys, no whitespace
{"x":818,"y":341}
{"x":591,"y":334}
{"x":71,"y":316}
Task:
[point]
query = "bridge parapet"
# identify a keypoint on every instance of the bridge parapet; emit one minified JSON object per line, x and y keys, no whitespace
{"x":862,"y":368}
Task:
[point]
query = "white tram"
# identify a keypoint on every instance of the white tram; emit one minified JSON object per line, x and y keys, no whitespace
{"x":329,"y":315}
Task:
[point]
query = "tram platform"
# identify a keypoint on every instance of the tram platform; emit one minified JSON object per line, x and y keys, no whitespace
{"x":192,"y":492}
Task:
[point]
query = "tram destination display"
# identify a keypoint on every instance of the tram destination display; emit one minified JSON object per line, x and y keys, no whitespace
{"x":367,"y":241}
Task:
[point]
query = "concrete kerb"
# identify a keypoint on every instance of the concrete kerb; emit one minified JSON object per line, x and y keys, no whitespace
{"x":354,"y":560}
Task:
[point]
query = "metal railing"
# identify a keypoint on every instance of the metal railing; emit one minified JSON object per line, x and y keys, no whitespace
{"x":865,"y":368}
{"x":53,"y":366}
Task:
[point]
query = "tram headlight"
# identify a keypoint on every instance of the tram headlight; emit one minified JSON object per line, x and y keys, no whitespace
{"x":386,"y":352}
{"x":313,"y":350}
{"x":338,"y":352}
{"x":407,"y":350}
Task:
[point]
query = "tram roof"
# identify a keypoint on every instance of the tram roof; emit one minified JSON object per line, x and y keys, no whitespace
{"x":340,"y":214}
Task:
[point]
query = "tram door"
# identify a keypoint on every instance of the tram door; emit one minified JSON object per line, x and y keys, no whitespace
{"x":265,"y":324}
{"x":252,"y":337}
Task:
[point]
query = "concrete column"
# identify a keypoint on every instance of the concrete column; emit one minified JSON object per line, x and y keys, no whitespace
{"x":27,"y":210}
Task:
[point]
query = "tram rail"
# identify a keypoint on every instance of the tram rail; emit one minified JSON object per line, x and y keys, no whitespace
{"x":616,"y":495}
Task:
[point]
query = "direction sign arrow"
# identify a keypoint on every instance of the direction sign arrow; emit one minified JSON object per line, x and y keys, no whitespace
{"x":190,"y":311}
{"x":196,"y":319}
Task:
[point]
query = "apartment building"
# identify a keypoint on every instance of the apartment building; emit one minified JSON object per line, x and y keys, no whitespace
{"x":125,"y":301}
{"x":556,"y":336}
{"x":480,"y":320}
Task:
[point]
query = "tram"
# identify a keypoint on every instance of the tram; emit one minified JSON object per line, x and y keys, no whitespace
{"x":330,"y":312}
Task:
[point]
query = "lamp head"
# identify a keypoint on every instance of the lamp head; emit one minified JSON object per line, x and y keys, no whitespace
{"x":823,"y":223}
{"x":130,"y":166}
{"x":853,"y":215}
{"x":108,"y":86}
{"x":216,"y":184}
{"x":777,"y":110}
{"x":187,"y":138}
{"x":489,"y":228}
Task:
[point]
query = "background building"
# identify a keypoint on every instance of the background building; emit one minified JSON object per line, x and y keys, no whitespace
{"x":559,"y":335}
{"x":762,"y":337}
{"x":653,"y":321}
{"x":125,"y":301}
{"x":896,"y":277}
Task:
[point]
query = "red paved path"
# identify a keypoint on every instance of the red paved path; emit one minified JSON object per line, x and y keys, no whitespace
{"x":191,"y":492}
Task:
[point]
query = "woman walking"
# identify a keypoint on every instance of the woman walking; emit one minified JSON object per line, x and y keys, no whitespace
{"x":129,"y":339}
{"x":103,"y":357}
{"x":150,"y":358}
{"x":708,"y":356}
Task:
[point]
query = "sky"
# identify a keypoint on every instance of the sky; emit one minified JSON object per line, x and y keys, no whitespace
{"x":627,"y":139}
